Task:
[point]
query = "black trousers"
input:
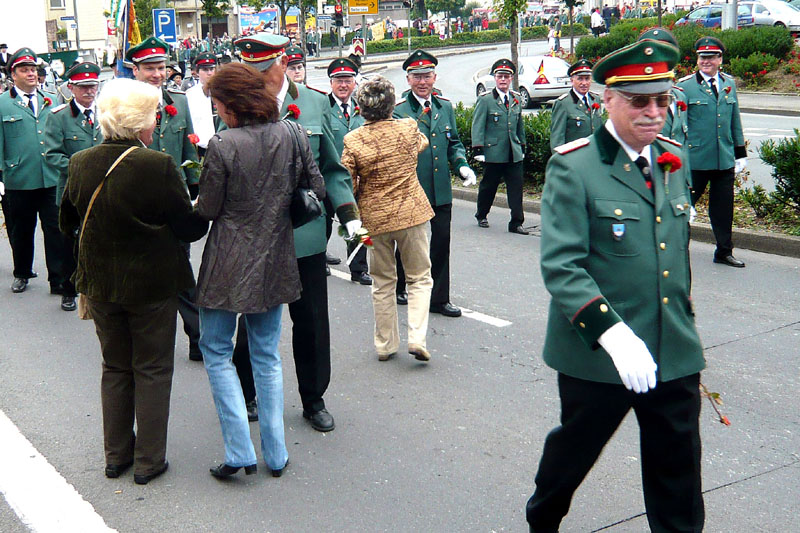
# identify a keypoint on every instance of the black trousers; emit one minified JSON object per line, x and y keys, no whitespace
{"x":493,"y":175}
{"x":720,"y":204}
{"x":359,"y":262}
{"x":311,"y":338}
{"x":440,"y":256}
{"x":70,"y":264}
{"x":21,"y":210}
{"x":670,"y":449}
{"x":187,"y":308}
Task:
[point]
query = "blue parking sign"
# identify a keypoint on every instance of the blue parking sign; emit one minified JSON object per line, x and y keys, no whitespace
{"x":164,"y":25}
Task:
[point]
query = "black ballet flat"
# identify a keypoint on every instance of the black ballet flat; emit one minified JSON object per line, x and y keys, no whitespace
{"x":225,"y":471}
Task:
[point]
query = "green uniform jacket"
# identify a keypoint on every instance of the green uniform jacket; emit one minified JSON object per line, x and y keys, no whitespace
{"x":172,"y":136}
{"x":612,"y":251}
{"x":340,"y":126}
{"x":66,"y":132}
{"x":444,"y":145}
{"x":310,"y":238}
{"x":676,"y":127}
{"x":572,"y":120}
{"x":498,"y":133}
{"x":715,"y":126}
{"x":22,"y":162}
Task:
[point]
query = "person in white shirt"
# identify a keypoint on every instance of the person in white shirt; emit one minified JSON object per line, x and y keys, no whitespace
{"x":201,"y":107}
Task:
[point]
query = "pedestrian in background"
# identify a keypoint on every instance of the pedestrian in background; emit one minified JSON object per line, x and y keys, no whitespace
{"x":133,"y":212}
{"x":576,"y":113}
{"x":382,"y":156}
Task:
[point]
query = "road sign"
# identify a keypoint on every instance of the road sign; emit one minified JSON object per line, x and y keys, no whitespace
{"x":362,"y":7}
{"x":329,"y":10}
{"x":164,"y":25}
{"x":68,"y":17}
{"x":324,"y":17}
{"x":358,"y":46}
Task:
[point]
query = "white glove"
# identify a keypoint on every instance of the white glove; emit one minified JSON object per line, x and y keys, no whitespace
{"x":481,"y":158}
{"x":3,"y":188}
{"x":631,"y":357}
{"x":468,"y":176}
{"x":352,"y":227}
{"x":740,"y":165}
{"x":692,"y":214}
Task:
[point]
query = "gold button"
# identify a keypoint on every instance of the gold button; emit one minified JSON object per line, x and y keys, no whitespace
{"x":74,"y":137}
{"x":658,"y":219}
{"x":666,"y":273}
{"x":686,"y":206}
{"x":665,"y":300}
{"x":581,"y":324}
{"x":41,"y":142}
{"x":618,"y":212}
{"x":434,"y":146}
{"x":663,"y":246}
{"x":163,"y":149}
{"x":39,"y":131}
{"x":436,"y":158}
{"x":308,"y":132}
{"x":433,"y":135}
{"x":162,"y":135}
{"x":603,"y":308}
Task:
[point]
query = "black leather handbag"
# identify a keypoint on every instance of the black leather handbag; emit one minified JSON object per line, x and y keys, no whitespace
{"x":305,"y":205}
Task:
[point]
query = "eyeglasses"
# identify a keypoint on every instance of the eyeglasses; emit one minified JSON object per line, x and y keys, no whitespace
{"x":640,"y":101}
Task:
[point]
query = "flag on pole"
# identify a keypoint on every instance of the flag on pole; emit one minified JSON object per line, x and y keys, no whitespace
{"x":124,"y":16}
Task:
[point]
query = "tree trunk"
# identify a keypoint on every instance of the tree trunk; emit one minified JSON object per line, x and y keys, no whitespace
{"x":571,"y":33}
{"x":515,"y":49}
{"x":301,"y":26}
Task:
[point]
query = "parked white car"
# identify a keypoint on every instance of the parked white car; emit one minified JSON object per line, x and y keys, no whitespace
{"x":541,"y":78}
{"x":774,"y":13}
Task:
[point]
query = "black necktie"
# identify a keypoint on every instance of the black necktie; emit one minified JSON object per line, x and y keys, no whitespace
{"x":711,"y":81}
{"x":88,"y":113}
{"x":30,"y":103}
{"x":427,"y":104}
{"x":645,"y":168}
{"x":344,"y":110}
{"x":505,"y":101}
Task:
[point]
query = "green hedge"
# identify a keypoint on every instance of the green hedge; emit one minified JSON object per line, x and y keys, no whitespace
{"x":537,"y":149}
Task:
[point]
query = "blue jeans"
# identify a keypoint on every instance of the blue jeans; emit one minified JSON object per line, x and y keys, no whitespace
{"x":216,"y":342}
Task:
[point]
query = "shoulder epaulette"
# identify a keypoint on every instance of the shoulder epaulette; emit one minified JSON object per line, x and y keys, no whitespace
{"x":563,"y":96}
{"x":440,"y":97}
{"x":688,"y":76}
{"x":572,"y":146}
{"x":679,"y":88}
{"x":175,"y":91}
{"x":668,"y":140}
{"x":320,"y":91}
{"x":401,"y":101}
{"x":59,"y":108}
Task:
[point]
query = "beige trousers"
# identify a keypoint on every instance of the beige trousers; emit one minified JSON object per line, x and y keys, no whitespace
{"x":414,"y":251}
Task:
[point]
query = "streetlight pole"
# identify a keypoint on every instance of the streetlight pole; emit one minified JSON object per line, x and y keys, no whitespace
{"x":77,"y":33}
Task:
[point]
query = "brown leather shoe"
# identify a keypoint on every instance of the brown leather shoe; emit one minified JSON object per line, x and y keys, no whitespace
{"x":419,"y":353}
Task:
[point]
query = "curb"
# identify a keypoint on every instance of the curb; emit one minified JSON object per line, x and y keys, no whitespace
{"x":388,"y":57}
{"x":758,"y":241}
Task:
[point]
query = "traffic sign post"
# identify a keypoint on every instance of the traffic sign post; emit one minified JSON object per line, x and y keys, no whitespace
{"x":362,"y":7}
{"x":164,"y":25}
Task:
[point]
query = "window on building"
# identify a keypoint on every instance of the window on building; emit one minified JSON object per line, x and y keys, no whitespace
{"x":57,"y":4}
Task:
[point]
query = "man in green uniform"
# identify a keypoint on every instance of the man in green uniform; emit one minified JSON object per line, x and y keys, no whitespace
{"x":296,"y":69}
{"x":70,"y":128}
{"x":498,"y":140}
{"x":171,"y":136}
{"x":576,"y":113}
{"x":621,"y":330}
{"x":344,"y":118}
{"x":716,"y":142}
{"x":309,"y":314}
{"x":27,"y":182}
{"x":436,"y":119}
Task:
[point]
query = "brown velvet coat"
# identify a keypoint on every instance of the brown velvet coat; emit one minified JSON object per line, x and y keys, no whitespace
{"x":246,"y":187}
{"x":382,"y":159}
{"x":131,"y":251}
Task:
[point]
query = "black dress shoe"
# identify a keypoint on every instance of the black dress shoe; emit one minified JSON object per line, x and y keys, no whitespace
{"x":729,"y":260}
{"x":402,"y":298}
{"x":327,"y":270}
{"x":68,"y":303}
{"x":224,"y":471}
{"x":114,"y":471}
{"x":483,"y":223}
{"x":361,"y":277}
{"x":446,"y":309}
{"x":144,"y":479}
{"x":322,"y":420}
{"x":34,"y":274}
{"x":279,"y":472}
{"x":519,"y":230}
{"x":252,"y":410}
{"x":19,"y":285}
{"x":332,"y":259}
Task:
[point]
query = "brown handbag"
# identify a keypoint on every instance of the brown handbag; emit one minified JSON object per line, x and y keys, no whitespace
{"x":83,"y":303}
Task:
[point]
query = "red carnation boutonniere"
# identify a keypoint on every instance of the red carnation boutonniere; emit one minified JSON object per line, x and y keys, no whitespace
{"x":681,"y":105}
{"x":595,"y":106}
{"x":171,"y":110}
{"x":426,"y":110}
{"x":727,"y":89}
{"x":47,"y":101}
{"x":357,"y":110}
{"x":668,"y":162}
{"x":193,"y":138}
{"x":292,"y":111}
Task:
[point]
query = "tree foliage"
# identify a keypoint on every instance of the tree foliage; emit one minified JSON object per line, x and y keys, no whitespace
{"x":144,"y":16}
{"x":508,"y":11}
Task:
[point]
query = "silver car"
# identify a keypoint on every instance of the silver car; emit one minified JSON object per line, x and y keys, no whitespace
{"x":541,"y":78}
{"x":774,"y":13}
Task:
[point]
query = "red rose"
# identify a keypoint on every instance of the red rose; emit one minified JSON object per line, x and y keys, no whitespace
{"x":724,"y":420}
{"x":47,"y":101}
{"x":294,"y":110}
{"x":727,"y":89}
{"x":516,"y":102}
{"x":669,"y":161}
{"x":595,"y":105}
{"x":367,"y":240}
{"x":193,"y":138}
{"x":171,"y":111}
{"x":357,"y":110}
{"x":681,"y":105}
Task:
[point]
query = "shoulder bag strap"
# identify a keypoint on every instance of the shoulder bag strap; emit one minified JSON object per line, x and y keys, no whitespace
{"x":293,"y":128}
{"x":97,"y":190}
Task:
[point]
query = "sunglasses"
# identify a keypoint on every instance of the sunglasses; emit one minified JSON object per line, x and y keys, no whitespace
{"x":640,"y":101}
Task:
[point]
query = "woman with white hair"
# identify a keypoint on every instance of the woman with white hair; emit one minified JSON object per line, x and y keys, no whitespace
{"x":132,"y":210}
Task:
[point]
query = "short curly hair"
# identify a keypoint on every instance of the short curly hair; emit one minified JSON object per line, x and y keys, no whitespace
{"x":125,"y":107}
{"x":376,"y":98}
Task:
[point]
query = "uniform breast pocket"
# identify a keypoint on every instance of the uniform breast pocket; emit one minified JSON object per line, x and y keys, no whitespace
{"x":615,"y":227}
{"x":177,"y":126}
{"x":12,"y":125}
{"x":314,"y":133}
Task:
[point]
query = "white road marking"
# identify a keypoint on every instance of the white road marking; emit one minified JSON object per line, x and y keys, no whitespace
{"x":468,"y":313}
{"x":42,"y":499}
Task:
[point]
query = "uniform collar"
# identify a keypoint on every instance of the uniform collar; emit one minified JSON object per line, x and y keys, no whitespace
{"x":632,"y":154}
{"x":281,"y":96}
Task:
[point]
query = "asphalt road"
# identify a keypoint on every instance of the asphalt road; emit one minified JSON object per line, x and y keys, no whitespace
{"x":448,"y":446}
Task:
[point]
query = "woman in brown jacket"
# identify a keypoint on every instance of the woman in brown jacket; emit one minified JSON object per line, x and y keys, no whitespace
{"x":131,"y":266}
{"x":382,"y":159}
{"x":249,"y":175}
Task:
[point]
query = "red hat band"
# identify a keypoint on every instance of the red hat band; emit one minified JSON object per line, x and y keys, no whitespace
{"x":343,"y":69}
{"x":295,"y":57}
{"x":148,"y":52}
{"x":206,"y":61}
{"x":422,"y":63}
{"x":581,"y":70}
{"x":255,"y":57}
{"x":21,"y":59}
{"x":640,"y":70}
{"x":710,"y":48}
{"x":80,"y":76}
